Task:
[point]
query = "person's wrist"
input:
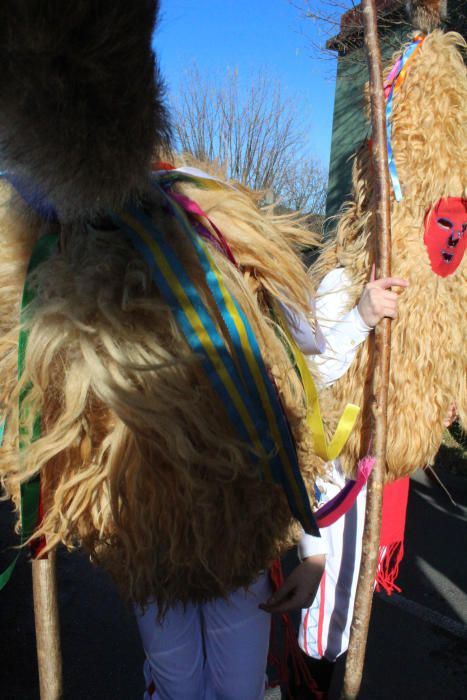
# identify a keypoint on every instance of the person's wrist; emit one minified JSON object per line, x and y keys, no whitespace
{"x":363,"y":320}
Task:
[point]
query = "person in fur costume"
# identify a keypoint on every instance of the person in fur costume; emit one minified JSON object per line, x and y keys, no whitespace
{"x":427,"y":152}
{"x":131,"y":417}
{"x":428,"y":365}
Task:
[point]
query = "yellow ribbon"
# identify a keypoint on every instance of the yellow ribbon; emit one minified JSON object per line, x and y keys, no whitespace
{"x":323,"y":449}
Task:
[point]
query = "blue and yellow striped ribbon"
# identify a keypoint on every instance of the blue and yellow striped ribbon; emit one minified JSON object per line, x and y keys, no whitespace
{"x":327,"y":451}
{"x":238,"y":374}
{"x":268,"y":410}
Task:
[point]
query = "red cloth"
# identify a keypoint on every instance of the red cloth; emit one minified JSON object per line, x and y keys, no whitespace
{"x":391,"y":549}
{"x":395,"y":498}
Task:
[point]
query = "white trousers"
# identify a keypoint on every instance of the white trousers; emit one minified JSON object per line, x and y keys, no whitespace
{"x":325,"y":628}
{"x":214,"y":651}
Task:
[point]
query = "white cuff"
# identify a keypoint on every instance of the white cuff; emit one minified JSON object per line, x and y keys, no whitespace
{"x":309,"y":546}
{"x":360,"y":323}
{"x":348,"y":333}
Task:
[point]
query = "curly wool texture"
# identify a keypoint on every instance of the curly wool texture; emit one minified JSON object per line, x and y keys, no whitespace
{"x":426,"y":15}
{"x":428,"y":361}
{"x":138,"y":459}
{"x":81,"y":100}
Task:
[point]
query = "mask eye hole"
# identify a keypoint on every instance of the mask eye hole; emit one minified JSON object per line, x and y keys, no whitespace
{"x":445,"y":224}
{"x":464,"y":228}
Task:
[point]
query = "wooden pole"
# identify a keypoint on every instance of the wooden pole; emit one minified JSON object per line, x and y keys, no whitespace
{"x":382,"y":219}
{"x":47,"y":628}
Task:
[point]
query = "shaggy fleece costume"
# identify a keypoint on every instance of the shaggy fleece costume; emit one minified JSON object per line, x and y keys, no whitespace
{"x":139,"y":462}
{"x":428,"y":361}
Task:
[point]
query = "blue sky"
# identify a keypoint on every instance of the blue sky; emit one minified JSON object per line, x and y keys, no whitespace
{"x":266,"y":35}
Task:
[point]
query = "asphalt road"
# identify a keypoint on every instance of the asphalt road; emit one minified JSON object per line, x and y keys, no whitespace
{"x":417,"y":646}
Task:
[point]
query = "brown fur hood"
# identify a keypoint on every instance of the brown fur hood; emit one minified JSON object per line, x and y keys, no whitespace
{"x":81,"y":100}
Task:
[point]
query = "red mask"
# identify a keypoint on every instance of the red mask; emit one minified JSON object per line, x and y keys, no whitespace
{"x":446,"y":234}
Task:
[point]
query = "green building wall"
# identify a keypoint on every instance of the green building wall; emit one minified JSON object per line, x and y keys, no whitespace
{"x":349,"y":125}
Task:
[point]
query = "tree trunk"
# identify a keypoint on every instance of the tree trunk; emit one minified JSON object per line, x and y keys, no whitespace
{"x":364,"y":595}
{"x":47,"y":628}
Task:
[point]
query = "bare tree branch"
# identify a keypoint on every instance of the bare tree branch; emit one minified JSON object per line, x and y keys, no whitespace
{"x":254,"y":133}
{"x":339,"y":23}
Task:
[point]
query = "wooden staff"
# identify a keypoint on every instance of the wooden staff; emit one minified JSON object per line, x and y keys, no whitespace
{"x":47,"y":628}
{"x":371,"y":535}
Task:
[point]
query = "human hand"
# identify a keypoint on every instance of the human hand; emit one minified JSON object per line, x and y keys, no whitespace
{"x":299,"y":588}
{"x":377,"y":300}
{"x":451,"y":415}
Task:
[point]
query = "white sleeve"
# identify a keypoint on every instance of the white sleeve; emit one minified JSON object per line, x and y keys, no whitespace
{"x":310,"y":342}
{"x":309,"y":546}
{"x":343,"y":332}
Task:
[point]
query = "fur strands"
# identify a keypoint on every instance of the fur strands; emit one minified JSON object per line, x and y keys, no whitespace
{"x":139,"y":463}
{"x":426,"y":15}
{"x":428,"y":361}
{"x":81,"y":100}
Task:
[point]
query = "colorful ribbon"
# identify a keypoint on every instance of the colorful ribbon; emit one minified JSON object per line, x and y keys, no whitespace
{"x":191,"y":208}
{"x":391,"y":87}
{"x":237,"y":373}
{"x":325,"y":450}
{"x":342,"y":502}
{"x":30,"y":490}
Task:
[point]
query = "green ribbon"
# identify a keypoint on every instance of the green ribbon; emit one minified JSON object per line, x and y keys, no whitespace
{"x":30,"y":490}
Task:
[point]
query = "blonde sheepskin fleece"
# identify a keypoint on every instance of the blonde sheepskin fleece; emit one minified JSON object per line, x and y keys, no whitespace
{"x":428,"y":364}
{"x":139,"y":462}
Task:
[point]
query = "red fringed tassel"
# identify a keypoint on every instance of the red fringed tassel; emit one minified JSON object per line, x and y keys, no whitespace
{"x":389,"y":560}
{"x":391,"y":550}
